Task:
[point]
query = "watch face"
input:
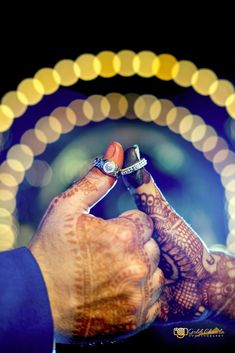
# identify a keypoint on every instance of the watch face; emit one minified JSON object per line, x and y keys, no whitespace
{"x":109,"y":167}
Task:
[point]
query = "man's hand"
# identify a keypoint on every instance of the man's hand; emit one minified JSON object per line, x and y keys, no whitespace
{"x":199,"y":284}
{"x":101,"y":275}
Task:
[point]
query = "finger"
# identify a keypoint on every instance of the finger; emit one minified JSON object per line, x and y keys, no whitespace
{"x":155,"y":285}
{"x":153,"y":312}
{"x":141,"y":221}
{"x":86,"y":192}
{"x":148,"y":197}
{"x":152,"y":250}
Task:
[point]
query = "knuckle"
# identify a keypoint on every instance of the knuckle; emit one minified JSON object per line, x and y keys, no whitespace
{"x":127,"y":233}
{"x":140,"y":269}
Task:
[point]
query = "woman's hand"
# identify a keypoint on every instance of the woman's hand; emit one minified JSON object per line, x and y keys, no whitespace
{"x":199,"y":284}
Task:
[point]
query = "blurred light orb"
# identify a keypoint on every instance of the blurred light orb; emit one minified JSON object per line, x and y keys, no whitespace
{"x":89,"y":66}
{"x":166,"y":106}
{"x":77,"y":108}
{"x":165,"y":70}
{"x":146,"y":64}
{"x":68,"y":72}
{"x":118,"y":105}
{"x":31,"y":139}
{"x":48,"y":129}
{"x":30,"y":91}
{"x":49,"y":79}
{"x":142,"y":107}
{"x":110,"y":64}
{"x":175,"y":116}
{"x":230,"y":105}
{"x":39,"y":174}
{"x":7,"y":236}
{"x":202,"y":81}
{"x":20,"y":157}
{"x":6,"y":170}
{"x":14,"y":100}
{"x":96,"y":108}
{"x":6,"y":118}
{"x":65,"y":119}
{"x":220,"y":91}
{"x":182,"y":73}
{"x":126,"y":58}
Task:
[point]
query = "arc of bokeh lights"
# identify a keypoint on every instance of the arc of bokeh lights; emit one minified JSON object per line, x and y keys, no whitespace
{"x":108,"y":64}
{"x":114,"y":105}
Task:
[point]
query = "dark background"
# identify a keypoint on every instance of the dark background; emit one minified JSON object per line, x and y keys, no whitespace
{"x":24,"y":52}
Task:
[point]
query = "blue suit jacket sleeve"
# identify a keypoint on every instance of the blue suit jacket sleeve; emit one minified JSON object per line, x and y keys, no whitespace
{"x":25,"y":316}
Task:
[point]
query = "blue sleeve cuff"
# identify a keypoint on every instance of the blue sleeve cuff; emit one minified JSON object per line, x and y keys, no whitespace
{"x":25,"y":316}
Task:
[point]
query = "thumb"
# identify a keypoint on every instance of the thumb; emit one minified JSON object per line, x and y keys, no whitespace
{"x":85,"y":193}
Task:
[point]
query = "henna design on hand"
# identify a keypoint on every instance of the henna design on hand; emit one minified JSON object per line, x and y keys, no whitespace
{"x":199,"y":283}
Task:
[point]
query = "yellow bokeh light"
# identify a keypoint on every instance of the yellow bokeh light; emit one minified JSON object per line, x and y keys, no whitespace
{"x":40,"y":174}
{"x":220,"y":156}
{"x":6,"y":117}
{"x":146,"y":64}
{"x":22,"y":154}
{"x":6,"y":170}
{"x":118,"y":105}
{"x":186,"y":124}
{"x":166,"y":106}
{"x":49,"y":79}
{"x":110,"y":63}
{"x":126,"y":58}
{"x":16,"y":165}
{"x":8,"y":179}
{"x":89,"y":66}
{"x":6,"y":195}
{"x":182,"y":73}
{"x":209,"y":131}
{"x":7,"y":237}
{"x":175,"y":116}
{"x":30,"y":91}
{"x":220,"y":90}
{"x":96,"y":108}
{"x":230,"y":105}
{"x":66,"y":118}
{"x":143,"y":105}
{"x":5,"y":216}
{"x":231,"y":186}
{"x":131,"y":98}
{"x":198,"y":133}
{"x":202,"y":81}
{"x":48,"y":129}
{"x":226,"y":158}
{"x":166,"y":64}
{"x":14,"y":100}
{"x":155,"y":110}
{"x":209,"y":144}
{"x":68,"y":72}
{"x":231,"y":248}
{"x":228,"y":171}
{"x":30,"y":139}
{"x":9,"y":205}
{"x":77,"y":108}
{"x":219,"y":145}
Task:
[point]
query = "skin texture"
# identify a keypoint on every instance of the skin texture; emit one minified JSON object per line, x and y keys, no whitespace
{"x":199,"y":284}
{"x":102,"y":275}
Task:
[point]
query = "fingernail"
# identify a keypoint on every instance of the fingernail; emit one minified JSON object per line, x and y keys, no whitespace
{"x":137,"y":151}
{"x":110,"y":151}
